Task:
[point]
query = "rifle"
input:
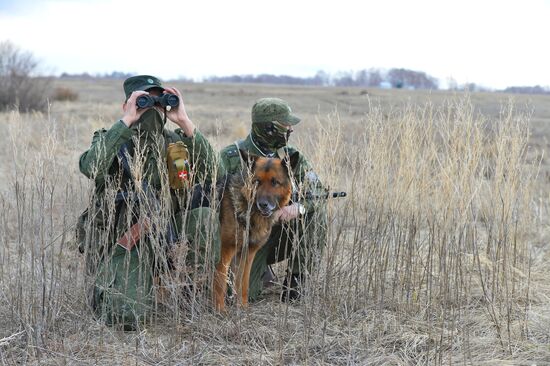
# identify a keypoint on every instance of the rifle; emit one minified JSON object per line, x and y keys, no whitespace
{"x":308,"y":196}
{"x":134,"y":234}
{"x":147,"y":197}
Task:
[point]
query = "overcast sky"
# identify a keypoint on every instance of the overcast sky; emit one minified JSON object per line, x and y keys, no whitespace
{"x":492,"y":43}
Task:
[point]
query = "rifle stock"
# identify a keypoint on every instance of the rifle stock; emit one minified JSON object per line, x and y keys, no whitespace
{"x":134,"y":234}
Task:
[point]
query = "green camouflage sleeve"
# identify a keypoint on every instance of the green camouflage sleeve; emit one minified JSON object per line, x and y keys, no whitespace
{"x":95,"y":162}
{"x":229,"y":161}
{"x":203,"y":159}
{"x":308,"y":181}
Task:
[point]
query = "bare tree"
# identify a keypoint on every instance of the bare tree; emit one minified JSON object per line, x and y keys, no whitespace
{"x":22,"y":88}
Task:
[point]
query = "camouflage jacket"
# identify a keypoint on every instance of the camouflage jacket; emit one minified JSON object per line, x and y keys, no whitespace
{"x":305,"y":179}
{"x":100,"y":160}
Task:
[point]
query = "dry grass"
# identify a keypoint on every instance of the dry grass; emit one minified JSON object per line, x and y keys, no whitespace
{"x":437,"y":256}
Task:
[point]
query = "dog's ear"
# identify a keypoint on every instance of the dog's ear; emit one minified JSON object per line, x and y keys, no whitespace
{"x":249,"y":159}
{"x":291,"y":161}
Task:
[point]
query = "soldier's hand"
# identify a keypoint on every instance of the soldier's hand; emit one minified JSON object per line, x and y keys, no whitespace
{"x":131,"y":111}
{"x":179,"y":115}
{"x":289,"y":212}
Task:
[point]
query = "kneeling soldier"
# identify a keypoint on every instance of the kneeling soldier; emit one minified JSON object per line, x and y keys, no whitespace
{"x":300,"y":234}
{"x":144,"y":175}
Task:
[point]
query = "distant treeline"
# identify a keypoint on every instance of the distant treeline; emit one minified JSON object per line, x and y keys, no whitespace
{"x":118,"y":75}
{"x":372,"y":78}
{"x":85,"y":75}
{"x":537,"y":89}
{"x":393,"y":78}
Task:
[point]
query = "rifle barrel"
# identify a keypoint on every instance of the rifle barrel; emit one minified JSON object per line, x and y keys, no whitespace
{"x":312,"y":196}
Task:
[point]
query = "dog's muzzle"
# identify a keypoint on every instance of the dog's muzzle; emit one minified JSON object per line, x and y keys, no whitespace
{"x":266,"y":208}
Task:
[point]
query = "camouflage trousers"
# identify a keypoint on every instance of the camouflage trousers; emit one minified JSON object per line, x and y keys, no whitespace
{"x":300,"y":241}
{"x":122,"y":289}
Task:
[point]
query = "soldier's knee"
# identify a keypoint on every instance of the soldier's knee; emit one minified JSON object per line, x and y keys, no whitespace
{"x":122,"y":290}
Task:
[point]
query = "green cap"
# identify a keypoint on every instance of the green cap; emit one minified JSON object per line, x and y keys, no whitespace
{"x":273,"y":109}
{"x":140,"y":82}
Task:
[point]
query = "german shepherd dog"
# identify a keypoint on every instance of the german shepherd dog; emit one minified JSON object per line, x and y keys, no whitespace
{"x":246,"y":217}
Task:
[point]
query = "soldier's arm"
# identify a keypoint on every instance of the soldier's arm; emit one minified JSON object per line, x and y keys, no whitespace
{"x":308,"y":182}
{"x":202,"y":157}
{"x":229,"y":161}
{"x":95,"y":162}
{"x":223,"y":163}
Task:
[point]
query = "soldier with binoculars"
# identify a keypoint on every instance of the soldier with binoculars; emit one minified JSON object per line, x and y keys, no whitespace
{"x":143,"y":175}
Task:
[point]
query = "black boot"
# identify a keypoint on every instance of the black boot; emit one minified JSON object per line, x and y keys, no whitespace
{"x":292,"y":292}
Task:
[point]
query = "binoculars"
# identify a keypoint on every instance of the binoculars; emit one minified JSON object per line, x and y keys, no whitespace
{"x":165,"y":100}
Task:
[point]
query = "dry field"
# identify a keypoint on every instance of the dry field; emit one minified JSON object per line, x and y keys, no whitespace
{"x":439,"y":254}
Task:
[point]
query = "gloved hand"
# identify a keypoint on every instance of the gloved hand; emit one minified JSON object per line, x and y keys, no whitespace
{"x":288,"y":213}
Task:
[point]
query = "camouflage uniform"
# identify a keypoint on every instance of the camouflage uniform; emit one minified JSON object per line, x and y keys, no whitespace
{"x":122,"y":280}
{"x":300,"y":240}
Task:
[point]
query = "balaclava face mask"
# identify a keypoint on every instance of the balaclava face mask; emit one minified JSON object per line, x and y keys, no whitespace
{"x":150,"y":122}
{"x":150,"y":147}
{"x":270,"y":136}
